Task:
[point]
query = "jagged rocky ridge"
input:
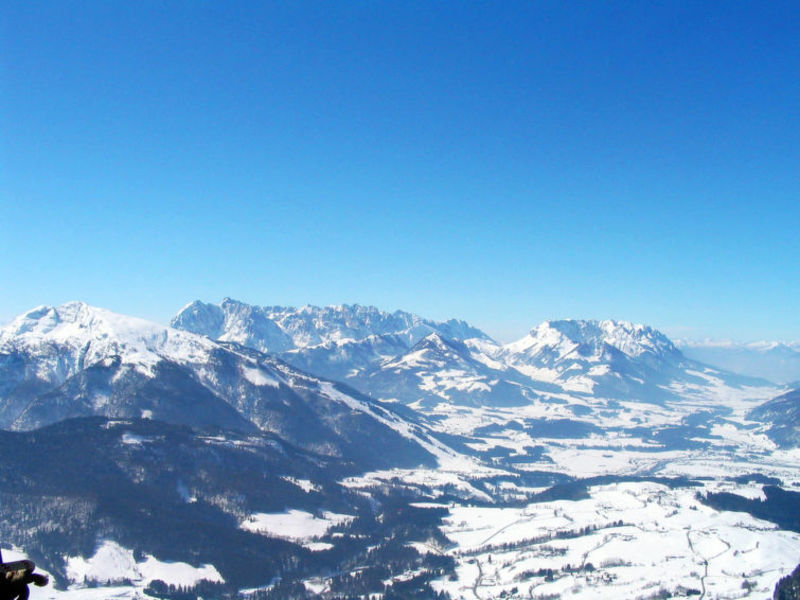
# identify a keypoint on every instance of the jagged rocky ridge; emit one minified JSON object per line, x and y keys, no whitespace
{"x":278,"y":328}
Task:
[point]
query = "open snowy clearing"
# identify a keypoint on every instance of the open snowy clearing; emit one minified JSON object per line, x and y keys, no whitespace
{"x":293,"y":524}
{"x":114,"y":563}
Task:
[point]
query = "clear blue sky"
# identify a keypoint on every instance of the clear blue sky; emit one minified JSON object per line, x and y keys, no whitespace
{"x":501,"y":162}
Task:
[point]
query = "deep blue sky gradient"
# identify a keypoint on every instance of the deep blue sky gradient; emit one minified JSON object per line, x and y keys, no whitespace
{"x":501,"y":162}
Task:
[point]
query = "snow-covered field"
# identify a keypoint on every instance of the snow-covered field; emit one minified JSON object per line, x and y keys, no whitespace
{"x":293,"y":524}
{"x":110,"y":565}
{"x":632,"y":540}
{"x":111,"y":562}
{"x":629,"y":540}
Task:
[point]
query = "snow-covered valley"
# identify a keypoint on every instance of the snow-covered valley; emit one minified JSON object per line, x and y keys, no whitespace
{"x":628,"y":540}
{"x":639,"y":529}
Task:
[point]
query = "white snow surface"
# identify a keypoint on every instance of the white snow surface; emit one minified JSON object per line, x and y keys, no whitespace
{"x":258,"y":377}
{"x":94,"y":334}
{"x":641,"y":538}
{"x":293,"y":524}
{"x":282,"y":328}
{"x":133,"y":439}
{"x":304,"y":484}
{"x":113,"y":563}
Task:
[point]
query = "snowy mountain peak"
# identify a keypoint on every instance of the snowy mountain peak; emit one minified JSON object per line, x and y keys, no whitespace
{"x":69,"y":321}
{"x":88,"y":335}
{"x":437,"y":342}
{"x":76,"y":360}
{"x":37,"y":321}
{"x":593,"y":356}
{"x":433,"y":353}
{"x":44,"y":319}
{"x":593,"y":336}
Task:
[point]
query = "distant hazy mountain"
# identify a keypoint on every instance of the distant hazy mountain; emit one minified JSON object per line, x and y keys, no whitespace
{"x":77,"y":361}
{"x":776,"y":361}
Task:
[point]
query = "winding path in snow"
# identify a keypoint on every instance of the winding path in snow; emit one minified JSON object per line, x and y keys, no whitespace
{"x":706,"y":560}
{"x":478,"y":580}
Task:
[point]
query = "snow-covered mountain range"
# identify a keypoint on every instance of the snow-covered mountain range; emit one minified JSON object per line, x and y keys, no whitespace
{"x":403,"y":357}
{"x":343,"y":442}
{"x":76,"y":360}
{"x":278,"y":328}
{"x":614,"y":359}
